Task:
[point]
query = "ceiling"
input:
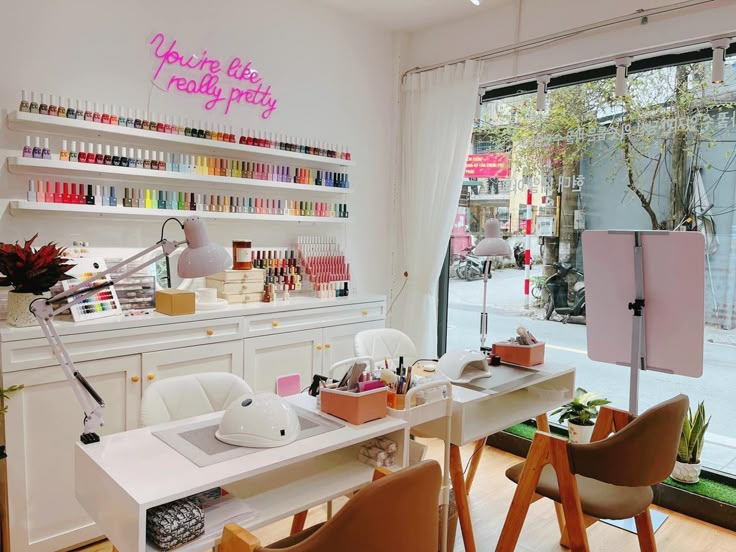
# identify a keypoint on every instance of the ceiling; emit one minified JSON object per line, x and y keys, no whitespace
{"x":407,"y":15}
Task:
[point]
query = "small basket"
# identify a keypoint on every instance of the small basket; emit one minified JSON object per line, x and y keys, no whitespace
{"x":523,"y":355}
{"x":356,"y":408}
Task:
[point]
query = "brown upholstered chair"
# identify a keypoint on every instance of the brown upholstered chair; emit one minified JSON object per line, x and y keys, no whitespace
{"x":610,"y":477}
{"x":398,"y":511}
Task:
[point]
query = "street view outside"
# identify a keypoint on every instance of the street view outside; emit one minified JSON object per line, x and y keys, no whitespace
{"x":663,"y":157}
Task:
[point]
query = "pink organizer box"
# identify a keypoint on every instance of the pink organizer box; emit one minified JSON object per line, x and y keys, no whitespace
{"x":355,"y":408}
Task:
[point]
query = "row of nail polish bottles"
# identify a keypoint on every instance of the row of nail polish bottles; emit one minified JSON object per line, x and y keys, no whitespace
{"x":36,"y":152}
{"x":79,"y":194}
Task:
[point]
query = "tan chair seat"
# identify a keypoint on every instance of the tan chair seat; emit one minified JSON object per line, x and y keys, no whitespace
{"x":598,"y":499}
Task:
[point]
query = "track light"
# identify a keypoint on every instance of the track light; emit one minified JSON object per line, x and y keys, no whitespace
{"x":622,"y":75}
{"x":542,"y":83}
{"x":719,"y":59}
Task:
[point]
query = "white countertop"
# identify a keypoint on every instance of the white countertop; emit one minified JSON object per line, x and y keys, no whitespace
{"x":66,"y":327}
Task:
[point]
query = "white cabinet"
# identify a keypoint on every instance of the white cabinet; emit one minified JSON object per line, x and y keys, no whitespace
{"x":42,"y":426}
{"x":214,"y":357}
{"x":306,"y":353}
{"x":269,"y":357}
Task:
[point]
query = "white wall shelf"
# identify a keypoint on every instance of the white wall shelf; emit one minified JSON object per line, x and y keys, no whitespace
{"x":31,"y":207}
{"x":69,"y":128}
{"x":44,"y":167}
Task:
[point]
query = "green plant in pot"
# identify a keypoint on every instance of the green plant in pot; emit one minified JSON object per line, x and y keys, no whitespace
{"x":580,"y":414}
{"x":687,"y":466}
{"x":31,"y":273}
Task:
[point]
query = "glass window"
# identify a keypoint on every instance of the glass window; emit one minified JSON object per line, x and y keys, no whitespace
{"x":663,"y":157}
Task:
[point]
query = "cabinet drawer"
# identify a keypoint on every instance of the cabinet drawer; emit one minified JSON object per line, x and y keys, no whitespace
{"x":36,"y":353}
{"x":313,"y":318}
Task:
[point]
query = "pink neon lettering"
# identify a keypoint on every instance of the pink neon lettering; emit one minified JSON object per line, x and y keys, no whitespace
{"x":208,"y":83}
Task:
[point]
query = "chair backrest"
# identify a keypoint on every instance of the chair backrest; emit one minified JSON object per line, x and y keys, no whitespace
{"x":182,"y":397}
{"x":384,"y":343}
{"x":397,"y":512}
{"x":642,"y":453}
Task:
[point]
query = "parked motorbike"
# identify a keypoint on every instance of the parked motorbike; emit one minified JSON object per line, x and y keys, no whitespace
{"x":557,"y":288}
{"x":470,"y":268}
{"x":520,"y":255}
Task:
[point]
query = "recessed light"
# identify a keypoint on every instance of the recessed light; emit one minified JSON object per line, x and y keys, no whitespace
{"x":475,"y":2}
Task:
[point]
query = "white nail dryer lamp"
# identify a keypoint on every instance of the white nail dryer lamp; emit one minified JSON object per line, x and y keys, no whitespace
{"x":464,"y":365}
{"x":259,"y":420}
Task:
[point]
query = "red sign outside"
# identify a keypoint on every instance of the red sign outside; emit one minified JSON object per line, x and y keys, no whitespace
{"x":488,"y":165}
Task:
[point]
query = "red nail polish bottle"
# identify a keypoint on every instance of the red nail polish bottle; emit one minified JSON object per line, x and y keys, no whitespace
{"x":105,"y":115}
{"x":243,"y":139}
{"x":96,"y":117}
{"x":107,"y":160}
{"x":82,"y":155}
{"x":99,"y":158}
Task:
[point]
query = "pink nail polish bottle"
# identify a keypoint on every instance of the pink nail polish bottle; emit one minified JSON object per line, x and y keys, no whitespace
{"x":27,"y":150}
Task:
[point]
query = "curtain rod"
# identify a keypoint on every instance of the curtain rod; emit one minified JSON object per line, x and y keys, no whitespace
{"x":554,"y":37}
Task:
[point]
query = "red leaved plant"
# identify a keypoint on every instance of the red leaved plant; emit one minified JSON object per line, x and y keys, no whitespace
{"x":31,"y":270}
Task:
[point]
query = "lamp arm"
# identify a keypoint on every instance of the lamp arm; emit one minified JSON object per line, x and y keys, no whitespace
{"x":484,"y":313}
{"x":44,"y":311}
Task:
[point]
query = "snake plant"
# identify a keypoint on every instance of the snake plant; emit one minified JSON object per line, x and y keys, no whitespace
{"x":692,"y":436}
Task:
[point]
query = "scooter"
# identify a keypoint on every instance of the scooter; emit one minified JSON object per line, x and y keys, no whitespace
{"x":471,"y":268}
{"x":557,"y":290}
{"x":519,"y":255}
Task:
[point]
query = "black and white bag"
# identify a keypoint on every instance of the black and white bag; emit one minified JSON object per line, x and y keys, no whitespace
{"x":175,"y":523}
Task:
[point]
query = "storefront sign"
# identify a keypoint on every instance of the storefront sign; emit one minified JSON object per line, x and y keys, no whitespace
{"x":488,"y":165}
{"x":201,"y":74}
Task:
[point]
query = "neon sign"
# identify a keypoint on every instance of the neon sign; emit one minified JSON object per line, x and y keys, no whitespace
{"x":249,"y":87}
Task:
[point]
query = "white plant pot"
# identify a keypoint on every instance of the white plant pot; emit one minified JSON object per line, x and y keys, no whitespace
{"x":18,"y":309}
{"x":686,"y":473}
{"x":579,"y":433}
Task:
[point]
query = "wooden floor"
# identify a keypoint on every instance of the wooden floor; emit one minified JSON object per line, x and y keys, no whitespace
{"x":489,"y":501}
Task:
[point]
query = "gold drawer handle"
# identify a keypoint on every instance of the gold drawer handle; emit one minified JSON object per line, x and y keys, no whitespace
{"x":275,"y":323}
{"x":327,"y":345}
{"x":210,"y":331}
{"x":151,"y":377}
{"x":319,"y":347}
{"x":365,"y":313}
{"x":135,"y":379}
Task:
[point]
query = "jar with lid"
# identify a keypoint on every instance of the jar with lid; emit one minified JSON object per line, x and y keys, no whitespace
{"x":242,"y":255}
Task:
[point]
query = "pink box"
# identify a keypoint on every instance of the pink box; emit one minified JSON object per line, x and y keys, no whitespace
{"x":356,"y":408}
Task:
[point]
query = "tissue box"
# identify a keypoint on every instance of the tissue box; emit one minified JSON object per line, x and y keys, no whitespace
{"x":523,"y":355}
{"x":174,"y":302}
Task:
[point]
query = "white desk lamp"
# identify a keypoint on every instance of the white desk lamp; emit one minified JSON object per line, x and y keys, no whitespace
{"x":493,"y":245}
{"x":200,"y":258}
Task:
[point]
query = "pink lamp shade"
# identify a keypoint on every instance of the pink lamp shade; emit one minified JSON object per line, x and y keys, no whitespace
{"x":493,"y":245}
{"x":201,"y":257}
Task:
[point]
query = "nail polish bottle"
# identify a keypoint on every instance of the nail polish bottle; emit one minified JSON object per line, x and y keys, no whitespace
{"x":73,"y":152}
{"x":172,"y":162}
{"x":91,"y":153}
{"x":207,"y":133}
{"x":87,"y":111}
{"x":115,"y":156}
{"x":126,"y":197}
{"x":107,"y":159}
{"x":38,"y":192}
{"x":123,"y":157}
{"x":105,"y":115}
{"x":166,"y":125}
{"x":132,"y":120}
{"x":71,"y":113}
{"x":33,"y":106}
{"x":139,"y":163}
{"x":53,"y":107}
{"x":64,"y":153}
{"x":113,"y":200}
{"x":187,"y":128}
{"x":27,"y":150}
{"x":122,"y":119}
{"x":99,"y":195}
{"x":61,"y":111}
{"x":96,"y":116}
{"x":160,"y":124}
{"x":154,"y":161}
{"x":37,"y":151}
{"x":144,"y":121}
{"x":79,"y":111}
{"x":99,"y":158}
{"x":201,"y":132}
{"x":49,"y":196}
{"x":24,"y":105}
{"x":105,"y":198}
{"x":82,"y":156}
{"x":31,"y":195}
{"x":114,"y":119}
{"x":89,"y":197}
{"x":132,"y":162}
{"x":64,"y":195}
{"x":146,"y":159}
{"x":161,"y":161}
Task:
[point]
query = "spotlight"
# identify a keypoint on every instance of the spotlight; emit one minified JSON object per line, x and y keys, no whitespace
{"x":542,"y":83}
{"x":719,"y":59}
{"x":622,"y":74}
{"x":475,"y":2}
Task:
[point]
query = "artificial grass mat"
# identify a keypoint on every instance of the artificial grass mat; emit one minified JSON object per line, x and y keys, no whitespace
{"x":705,"y":487}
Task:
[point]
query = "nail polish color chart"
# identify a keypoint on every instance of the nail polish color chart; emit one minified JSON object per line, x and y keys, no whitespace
{"x":103,"y":303}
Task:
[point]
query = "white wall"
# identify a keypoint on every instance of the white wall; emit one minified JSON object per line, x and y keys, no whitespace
{"x":521,"y":20}
{"x":334,"y":78}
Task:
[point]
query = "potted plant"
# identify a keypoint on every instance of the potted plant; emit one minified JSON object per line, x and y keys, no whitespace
{"x":31,"y":273}
{"x":4,"y":396}
{"x":687,"y":465}
{"x":580,"y":414}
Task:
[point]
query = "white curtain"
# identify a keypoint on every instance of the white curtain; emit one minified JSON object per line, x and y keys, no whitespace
{"x":437,"y":112}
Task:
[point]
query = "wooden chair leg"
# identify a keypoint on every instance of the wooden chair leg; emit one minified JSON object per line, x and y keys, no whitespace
{"x":565,"y":539}
{"x":569,"y":497}
{"x":474,"y":461}
{"x":461,"y":498}
{"x":329,"y":510}
{"x":297,"y":524}
{"x":645,"y":532}
{"x":538,"y":457}
{"x":237,"y":539}
{"x":543,"y":425}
